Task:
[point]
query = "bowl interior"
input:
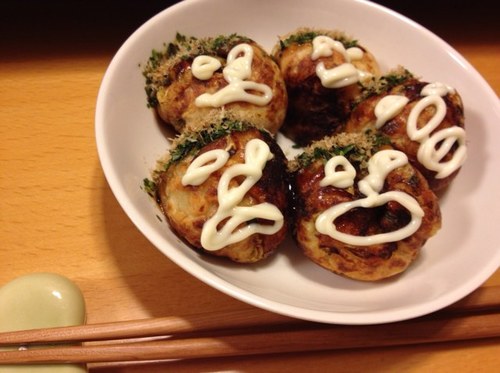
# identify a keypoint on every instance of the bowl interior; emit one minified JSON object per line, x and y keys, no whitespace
{"x":452,"y":264}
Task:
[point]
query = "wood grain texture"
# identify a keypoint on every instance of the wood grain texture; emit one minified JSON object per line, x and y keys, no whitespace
{"x":299,"y":339}
{"x":58,"y":214}
{"x":485,"y":301}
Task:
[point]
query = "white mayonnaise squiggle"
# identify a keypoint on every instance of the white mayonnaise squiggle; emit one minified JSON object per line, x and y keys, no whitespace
{"x":323,"y":46}
{"x":388,"y":107}
{"x":343,"y":178}
{"x":428,"y":155}
{"x":338,"y":77}
{"x":203,"y":166}
{"x":214,"y":237}
{"x":437,"y":88}
{"x":379,"y":166}
{"x":238,"y":69}
{"x":342,"y":75}
{"x":204,"y":67}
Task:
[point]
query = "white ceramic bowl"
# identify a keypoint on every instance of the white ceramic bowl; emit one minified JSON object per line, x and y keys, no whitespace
{"x":452,"y":264}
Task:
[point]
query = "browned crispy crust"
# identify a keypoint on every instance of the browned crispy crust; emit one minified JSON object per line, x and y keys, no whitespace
{"x":366,"y":263}
{"x":187,"y":208}
{"x":313,"y":110}
{"x":363,"y":119}
{"x":177,"y":95}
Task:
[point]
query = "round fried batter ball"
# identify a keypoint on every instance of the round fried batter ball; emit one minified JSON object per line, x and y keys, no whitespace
{"x":402,"y":83}
{"x":315,"y":111}
{"x":371,"y":262}
{"x":172,"y":88}
{"x":188,"y":207}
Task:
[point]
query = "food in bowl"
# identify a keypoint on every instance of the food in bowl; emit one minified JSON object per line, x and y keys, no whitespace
{"x":193,"y":79}
{"x":322,"y":70}
{"x":424,"y":120}
{"x":362,"y":210}
{"x":224,"y":189}
{"x":392,"y":141}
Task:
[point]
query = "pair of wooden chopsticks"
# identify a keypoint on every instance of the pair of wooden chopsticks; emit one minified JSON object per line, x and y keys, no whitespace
{"x":246,"y":332}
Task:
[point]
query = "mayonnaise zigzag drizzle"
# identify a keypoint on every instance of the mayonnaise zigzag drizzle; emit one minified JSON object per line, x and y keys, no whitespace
{"x":379,"y":166}
{"x":338,"y":178}
{"x":214,"y":237}
{"x":238,"y":69}
{"x":428,"y":155}
{"x":342,"y":75}
{"x":200,"y":169}
{"x":388,"y":107}
{"x":204,"y":67}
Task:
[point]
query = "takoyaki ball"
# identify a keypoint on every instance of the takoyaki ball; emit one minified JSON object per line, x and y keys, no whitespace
{"x":194,"y":79}
{"x":423,"y":120}
{"x":362,"y":210}
{"x":224,"y":191}
{"x":321,"y":69}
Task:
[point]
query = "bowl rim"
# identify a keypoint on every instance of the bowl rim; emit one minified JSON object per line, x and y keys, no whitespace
{"x":225,"y":286}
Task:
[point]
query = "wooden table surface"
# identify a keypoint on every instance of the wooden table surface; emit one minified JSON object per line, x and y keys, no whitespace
{"x":58,"y":214}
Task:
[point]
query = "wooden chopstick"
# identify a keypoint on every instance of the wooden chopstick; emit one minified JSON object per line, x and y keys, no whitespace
{"x":476,"y":316}
{"x":428,"y":330}
{"x":485,"y":298}
{"x":161,"y":326}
